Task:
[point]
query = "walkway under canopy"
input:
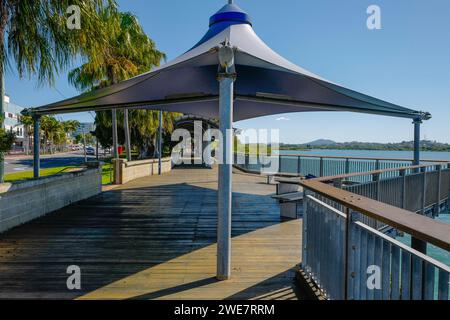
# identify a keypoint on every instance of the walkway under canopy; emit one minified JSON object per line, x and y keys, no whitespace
{"x":154,"y":238}
{"x":230,"y":75}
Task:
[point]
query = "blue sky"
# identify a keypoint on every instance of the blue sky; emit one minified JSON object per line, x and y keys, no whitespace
{"x":406,"y":62}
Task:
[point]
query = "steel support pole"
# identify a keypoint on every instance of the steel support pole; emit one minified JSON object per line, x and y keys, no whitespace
{"x":115,"y":153}
{"x":115,"y":138}
{"x":84,"y":146}
{"x":417,"y":124}
{"x":226,"y":79}
{"x":160,"y":142}
{"x":36,"y":146}
{"x":2,"y":123}
{"x":126,"y":126}
{"x":417,"y":244}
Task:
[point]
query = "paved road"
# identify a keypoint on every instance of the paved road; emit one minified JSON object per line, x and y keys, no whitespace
{"x":25,"y":163}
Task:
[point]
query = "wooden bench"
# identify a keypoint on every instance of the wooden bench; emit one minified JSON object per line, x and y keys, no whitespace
{"x":276,"y":177}
{"x":290,"y":196}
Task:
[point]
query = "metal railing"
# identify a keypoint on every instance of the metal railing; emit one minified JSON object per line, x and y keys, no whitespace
{"x":343,"y":248}
{"x":321,"y":166}
{"x":423,"y":188}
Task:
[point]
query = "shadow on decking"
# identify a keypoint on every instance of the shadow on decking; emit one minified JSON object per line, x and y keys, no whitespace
{"x":121,"y":233}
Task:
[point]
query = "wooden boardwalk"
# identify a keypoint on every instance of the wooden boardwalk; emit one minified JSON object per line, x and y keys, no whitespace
{"x":154,"y":238}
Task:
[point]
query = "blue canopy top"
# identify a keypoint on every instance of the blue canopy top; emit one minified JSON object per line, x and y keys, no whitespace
{"x":229,"y":15}
{"x":266,"y":84}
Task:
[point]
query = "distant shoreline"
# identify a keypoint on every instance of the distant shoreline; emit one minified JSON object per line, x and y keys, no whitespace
{"x":357,"y":149}
{"x":324,"y":144}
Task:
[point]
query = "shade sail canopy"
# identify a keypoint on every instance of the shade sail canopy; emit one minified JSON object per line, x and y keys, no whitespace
{"x":266,"y":83}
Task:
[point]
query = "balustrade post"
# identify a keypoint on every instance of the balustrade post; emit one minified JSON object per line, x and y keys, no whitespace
{"x":377,"y":164}
{"x":448,"y":187}
{"x":418,"y":244}
{"x":347,"y":166}
{"x":350,"y":248}
{"x":403,"y":175}
{"x":305,"y":230}
{"x":321,"y":167}
{"x":437,"y":208}
{"x":376,"y":178}
{"x":299,"y":165}
{"x":424,"y":189}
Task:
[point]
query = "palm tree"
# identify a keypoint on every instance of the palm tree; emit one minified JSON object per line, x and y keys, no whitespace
{"x":51,"y":129}
{"x":69,"y":127}
{"x":27,"y":123}
{"x":34,"y":38}
{"x":7,"y":138}
{"x":130,"y":52}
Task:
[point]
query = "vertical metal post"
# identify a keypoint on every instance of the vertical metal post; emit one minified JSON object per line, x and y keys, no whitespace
{"x":448,"y":188}
{"x":226,"y":79}
{"x":347,"y":166}
{"x":84,"y":145}
{"x":321,"y":167}
{"x":417,"y":123}
{"x":299,"y":165}
{"x":376,"y":178}
{"x":2,"y":124}
{"x":403,"y":175}
{"x":348,"y":254}
{"x":437,"y":209}
{"x":417,"y":244}
{"x":160,"y":142}
{"x":126,"y":127}
{"x":114,"y":135}
{"x":115,"y":153}
{"x":424,"y":190}
{"x":37,"y":141}
{"x":96,"y":148}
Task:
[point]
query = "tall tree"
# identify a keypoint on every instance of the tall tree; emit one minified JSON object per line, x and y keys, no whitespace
{"x":27,"y":123}
{"x":7,"y":138}
{"x":130,"y":52}
{"x":34,"y":38}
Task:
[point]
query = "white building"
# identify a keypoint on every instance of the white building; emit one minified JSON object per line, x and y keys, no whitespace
{"x":12,"y":122}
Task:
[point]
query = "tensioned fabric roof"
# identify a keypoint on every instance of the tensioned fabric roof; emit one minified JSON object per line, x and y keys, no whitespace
{"x":266,"y":83}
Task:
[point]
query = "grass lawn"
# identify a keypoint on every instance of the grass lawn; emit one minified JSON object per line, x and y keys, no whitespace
{"x":107,"y":173}
{"x":24,"y":175}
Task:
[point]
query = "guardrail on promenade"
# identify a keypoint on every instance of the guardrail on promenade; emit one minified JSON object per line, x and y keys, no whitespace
{"x":343,"y":247}
{"x":321,"y":166}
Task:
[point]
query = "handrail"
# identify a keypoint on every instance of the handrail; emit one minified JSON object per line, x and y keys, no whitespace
{"x":359,"y":158}
{"x":374,"y":172}
{"x":420,"y":227}
{"x":399,"y":244}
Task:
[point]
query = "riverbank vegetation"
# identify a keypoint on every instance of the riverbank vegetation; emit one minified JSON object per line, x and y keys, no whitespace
{"x":425,"y":145}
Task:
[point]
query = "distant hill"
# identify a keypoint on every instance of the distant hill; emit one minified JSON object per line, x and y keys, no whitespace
{"x":321,"y":142}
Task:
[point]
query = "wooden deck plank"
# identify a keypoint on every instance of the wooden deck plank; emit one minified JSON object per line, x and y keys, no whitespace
{"x":154,"y":238}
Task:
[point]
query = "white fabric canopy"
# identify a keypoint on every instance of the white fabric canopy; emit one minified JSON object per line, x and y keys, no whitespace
{"x":266,"y":83}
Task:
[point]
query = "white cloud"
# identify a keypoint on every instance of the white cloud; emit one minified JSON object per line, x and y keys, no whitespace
{"x":283,"y":119}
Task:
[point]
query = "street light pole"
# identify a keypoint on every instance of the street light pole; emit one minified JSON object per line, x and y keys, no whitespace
{"x":84,"y":143}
